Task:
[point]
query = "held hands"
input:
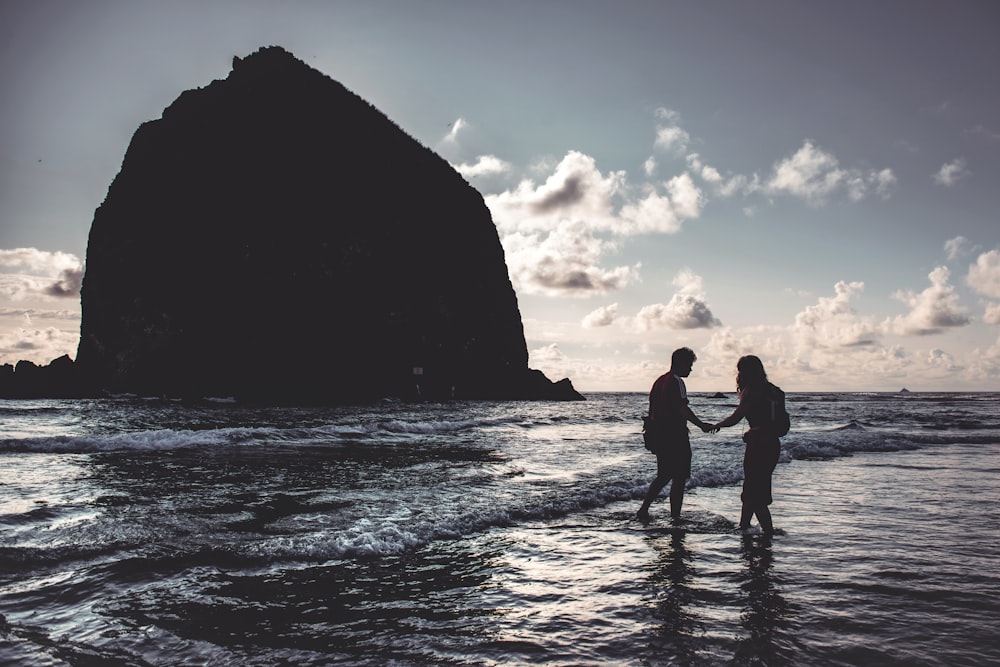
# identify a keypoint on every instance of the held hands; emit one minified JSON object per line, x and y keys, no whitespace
{"x":709,"y":428}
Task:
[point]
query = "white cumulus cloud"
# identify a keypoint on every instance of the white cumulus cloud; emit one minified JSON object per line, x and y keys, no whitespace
{"x":992,"y":313}
{"x":669,"y":134}
{"x":552,"y":229}
{"x":671,"y":138}
{"x":931,"y":311}
{"x":941,"y":360}
{"x":601,"y":317}
{"x":984,"y":275}
{"x":563,"y":262}
{"x":576,"y":191}
{"x":814,"y":175}
{"x":722,"y":185}
{"x":662,"y":212}
{"x":834,"y":323}
{"x":547,"y":353}
{"x":684,"y":311}
{"x":40,"y":273}
{"x":951,"y":172}
{"x":484,"y":165}
{"x":687,"y":308}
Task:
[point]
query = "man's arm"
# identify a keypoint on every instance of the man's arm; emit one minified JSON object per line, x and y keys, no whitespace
{"x":693,"y":418}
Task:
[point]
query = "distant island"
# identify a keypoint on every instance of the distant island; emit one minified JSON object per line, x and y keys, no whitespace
{"x":275,"y":238}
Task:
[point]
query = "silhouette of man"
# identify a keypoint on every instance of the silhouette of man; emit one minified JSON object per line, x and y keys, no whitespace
{"x":669,"y":414}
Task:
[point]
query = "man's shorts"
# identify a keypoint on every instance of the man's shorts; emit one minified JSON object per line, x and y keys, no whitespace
{"x":673,"y":461}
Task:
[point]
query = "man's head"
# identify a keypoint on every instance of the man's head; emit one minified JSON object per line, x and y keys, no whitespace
{"x":682,"y":360}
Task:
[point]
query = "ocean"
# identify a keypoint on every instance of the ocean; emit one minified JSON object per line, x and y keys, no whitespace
{"x":152,"y":532}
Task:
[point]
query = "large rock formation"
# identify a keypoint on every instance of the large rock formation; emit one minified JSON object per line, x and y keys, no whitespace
{"x":273,"y":236}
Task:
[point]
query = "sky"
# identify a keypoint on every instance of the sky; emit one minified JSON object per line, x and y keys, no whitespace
{"x":816,"y":183}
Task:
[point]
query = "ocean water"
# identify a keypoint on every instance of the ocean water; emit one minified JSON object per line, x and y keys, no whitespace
{"x":149,"y":532}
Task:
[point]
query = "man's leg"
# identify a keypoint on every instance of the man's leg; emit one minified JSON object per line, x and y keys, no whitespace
{"x":654,"y":490}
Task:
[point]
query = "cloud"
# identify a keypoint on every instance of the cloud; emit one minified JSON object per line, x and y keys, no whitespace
{"x":687,"y":308}
{"x":565,"y":262}
{"x":814,"y":175}
{"x":687,"y":199}
{"x":550,"y":229}
{"x":37,"y":345}
{"x":602,"y":317}
{"x":983,"y":363}
{"x":833,"y":322}
{"x":707,"y":173}
{"x":671,"y":138}
{"x":575,"y":190}
{"x":992,"y":314}
{"x":665,"y":213}
{"x":669,"y":135}
{"x":941,"y":360}
{"x":40,"y":273}
{"x":883,"y":181}
{"x":951,"y":172}
{"x":456,"y":127}
{"x":726,"y":345}
{"x":932,"y":310}
{"x":810,"y":173}
{"x":66,"y":285}
{"x":984,"y":275}
{"x":38,"y":262}
{"x":485,"y":165}
{"x":956,"y":247}
{"x":688,"y":282}
{"x":30,"y":314}
{"x":547,"y":353}
{"x":719,"y":184}
{"x":684,"y":311}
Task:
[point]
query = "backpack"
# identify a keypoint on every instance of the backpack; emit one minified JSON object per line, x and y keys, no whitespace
{"x":781,"y":421}
{"x":652,"y":435}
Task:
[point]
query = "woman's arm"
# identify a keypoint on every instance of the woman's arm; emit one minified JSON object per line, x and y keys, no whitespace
{"x":738,"y":414}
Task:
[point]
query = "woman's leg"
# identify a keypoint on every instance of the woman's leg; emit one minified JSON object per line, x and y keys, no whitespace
{"x":764,"y":517}
{"x":676,"y":497}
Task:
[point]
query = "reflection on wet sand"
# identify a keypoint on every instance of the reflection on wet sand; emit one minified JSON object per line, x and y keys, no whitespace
{"x":764,"y":609}
{"x":677,"y":635}
{"x":689,"y":602}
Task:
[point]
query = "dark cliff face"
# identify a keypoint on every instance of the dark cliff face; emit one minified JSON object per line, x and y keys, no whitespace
{"x":274,"y":236}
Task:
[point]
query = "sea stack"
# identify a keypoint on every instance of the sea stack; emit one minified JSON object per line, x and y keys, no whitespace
{"x":275,"y":237}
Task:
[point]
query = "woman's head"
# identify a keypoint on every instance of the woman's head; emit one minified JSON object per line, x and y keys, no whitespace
{"x":750,"y":372}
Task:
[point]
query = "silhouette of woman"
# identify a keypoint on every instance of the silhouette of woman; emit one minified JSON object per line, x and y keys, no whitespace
{"x":757,"y":397}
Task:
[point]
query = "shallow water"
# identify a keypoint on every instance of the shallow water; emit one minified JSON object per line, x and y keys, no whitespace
{"x":152,"y":533}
